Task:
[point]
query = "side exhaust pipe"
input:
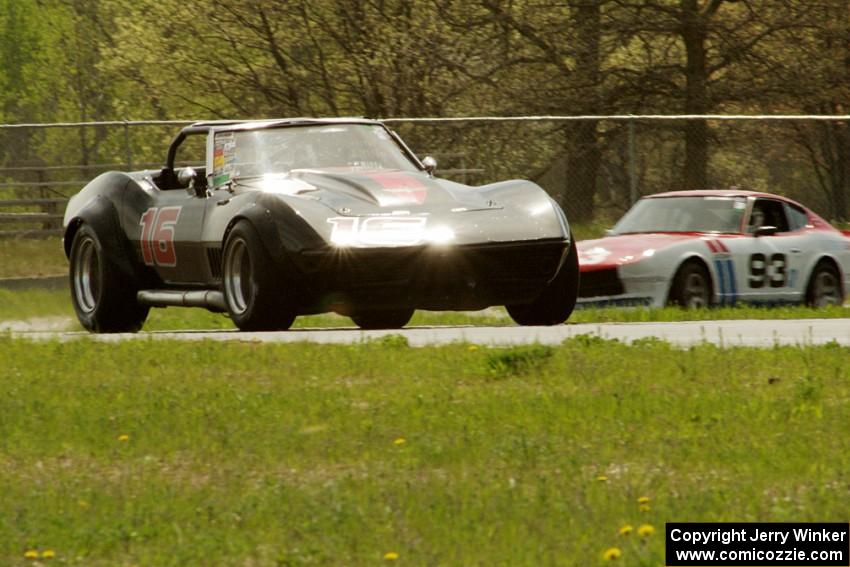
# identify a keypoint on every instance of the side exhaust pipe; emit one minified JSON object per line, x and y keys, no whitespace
{"x":212,"y":300}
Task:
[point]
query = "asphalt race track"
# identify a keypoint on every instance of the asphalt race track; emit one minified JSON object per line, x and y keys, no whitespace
{"x":758,"y":333}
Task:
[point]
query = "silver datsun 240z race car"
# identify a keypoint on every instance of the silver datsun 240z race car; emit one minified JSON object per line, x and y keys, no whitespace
{"x":716,"y":247}
{"x":291,"y":217}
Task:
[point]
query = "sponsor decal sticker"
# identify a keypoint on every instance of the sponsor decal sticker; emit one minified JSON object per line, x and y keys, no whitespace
{"x":399,"y":188}
{"x":224,"y":158}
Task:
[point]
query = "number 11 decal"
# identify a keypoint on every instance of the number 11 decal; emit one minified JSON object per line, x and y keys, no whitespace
{"x":157,"y":238}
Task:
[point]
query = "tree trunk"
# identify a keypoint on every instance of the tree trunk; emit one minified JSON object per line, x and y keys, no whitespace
{"x":841,"y":139}
{"x":584,"y":153}
{"x":695,"y":175}
{"x":582,"y":170}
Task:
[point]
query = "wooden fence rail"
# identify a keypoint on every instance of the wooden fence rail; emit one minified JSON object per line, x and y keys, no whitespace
{"x":34,"y":209}
{"x":33,"y":197}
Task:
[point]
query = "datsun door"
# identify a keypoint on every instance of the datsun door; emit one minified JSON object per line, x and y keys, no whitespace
{"x":767,"y":268}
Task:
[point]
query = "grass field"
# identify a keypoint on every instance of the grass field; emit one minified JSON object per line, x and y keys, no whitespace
{"x":160,"y":453}
{"x":23,"y":258}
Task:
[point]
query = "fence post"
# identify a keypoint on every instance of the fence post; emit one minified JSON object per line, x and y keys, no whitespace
{"x":44,"y":193}
{"x":127,"y":146}
{"x":633,"y":188}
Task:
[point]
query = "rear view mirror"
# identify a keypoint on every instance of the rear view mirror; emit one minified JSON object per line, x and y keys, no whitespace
{"x":188,"y":178}
{"x":765,"y":231}
{"x":430,"y":165}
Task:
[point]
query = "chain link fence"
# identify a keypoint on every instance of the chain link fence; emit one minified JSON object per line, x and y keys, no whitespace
{"x":595,"y":166}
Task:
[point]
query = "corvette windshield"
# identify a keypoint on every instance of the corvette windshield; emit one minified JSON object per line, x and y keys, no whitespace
{"x":684,"y":214}
{"x":264,"y":151}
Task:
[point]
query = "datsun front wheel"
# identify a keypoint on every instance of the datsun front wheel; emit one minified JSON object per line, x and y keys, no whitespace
{"x":691,"y":287}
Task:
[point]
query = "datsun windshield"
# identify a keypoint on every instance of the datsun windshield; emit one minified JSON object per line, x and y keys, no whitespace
{"x":684,"y":214}
{"x":254,"y":153}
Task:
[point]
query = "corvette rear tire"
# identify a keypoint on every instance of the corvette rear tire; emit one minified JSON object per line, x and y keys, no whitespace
{"x":382,"y":319}
{"x":691,"y":287}
{"x":557,"y":301}
{"x":824,"y":286}
{"x":104,"y":299}
{"x":256,"y":291}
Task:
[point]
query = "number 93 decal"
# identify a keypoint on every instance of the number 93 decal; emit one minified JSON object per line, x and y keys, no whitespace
{"x":157,"y":237}
{"x":759,"y":276}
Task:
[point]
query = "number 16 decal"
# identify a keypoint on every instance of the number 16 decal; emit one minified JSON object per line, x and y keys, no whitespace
{"x":157,"y":238}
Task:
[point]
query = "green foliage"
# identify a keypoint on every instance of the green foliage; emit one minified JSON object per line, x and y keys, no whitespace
{"x":588,"y":339}
{"x":160,"y":59}
{"x":393,"y":340}
{"x":518,"y":361}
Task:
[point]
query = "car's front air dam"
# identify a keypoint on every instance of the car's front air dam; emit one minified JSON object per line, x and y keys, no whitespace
{"x":451,"y":278}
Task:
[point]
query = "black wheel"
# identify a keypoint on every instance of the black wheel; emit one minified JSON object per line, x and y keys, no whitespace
{"x":382,"y":319}
{"x":256,"y":291}
{"x":691,"y":287}
{"x":557,"y":301}
{"x":104,"y":299}
{"x":824,"y":286}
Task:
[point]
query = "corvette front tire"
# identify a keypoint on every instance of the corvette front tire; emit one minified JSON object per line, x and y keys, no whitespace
{"x":382,"y":319}
{"x":556,"y":302}
{"x":255,"y":292}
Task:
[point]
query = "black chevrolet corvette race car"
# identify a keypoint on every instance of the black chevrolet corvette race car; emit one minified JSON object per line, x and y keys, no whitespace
{"x":291,"y":217}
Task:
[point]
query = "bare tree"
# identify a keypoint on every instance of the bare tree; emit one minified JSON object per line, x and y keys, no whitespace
{"x":819,"y":81}
{"x":562,"y":46}
{"x":701,"y":56}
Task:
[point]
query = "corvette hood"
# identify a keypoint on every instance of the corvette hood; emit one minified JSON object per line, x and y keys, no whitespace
{"x":363,"y":192}
{"x":615,"y":251}
{"x":354,"y":207}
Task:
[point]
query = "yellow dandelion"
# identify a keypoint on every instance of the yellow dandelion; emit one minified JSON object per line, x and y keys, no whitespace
{"x":472,"y":348}
{"x":391,"y":556}
{"x":612,"y":553}
{"x":602,"y":478}
{"x":644,"y":508}
{"x":31,"y":554}
{"x":124,"y":437}
{"x":626,"y":530}
{"x":48,"y":554}
{"x":400,"y":441}
{"x":646,"y":530}
{"x":643,"y":500}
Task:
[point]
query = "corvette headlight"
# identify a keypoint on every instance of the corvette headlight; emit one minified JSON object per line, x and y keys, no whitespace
{"x":440,"y":235}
